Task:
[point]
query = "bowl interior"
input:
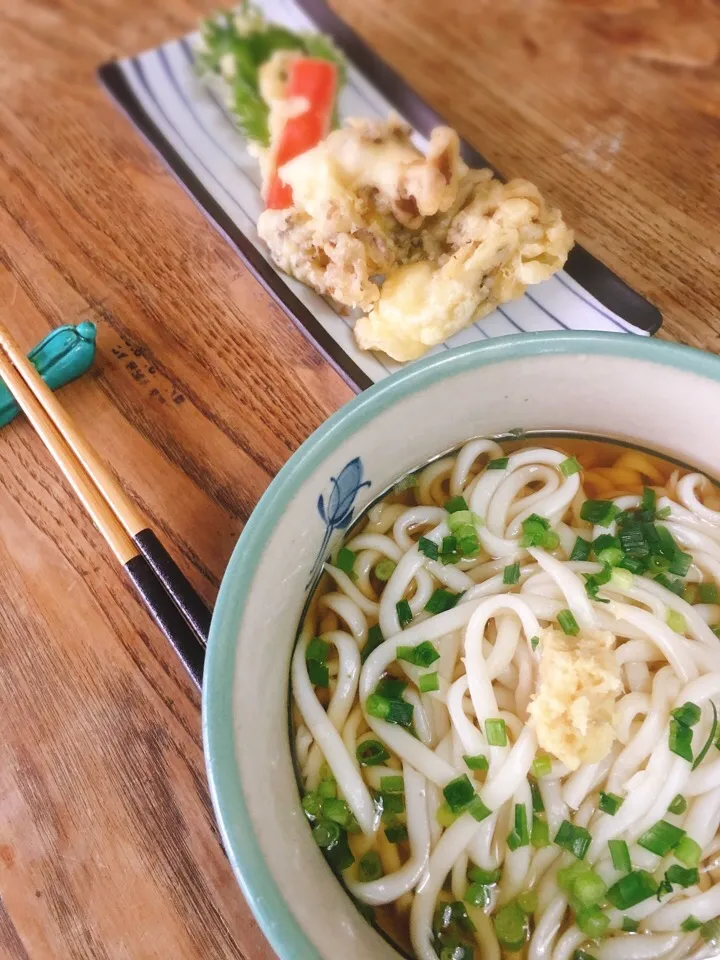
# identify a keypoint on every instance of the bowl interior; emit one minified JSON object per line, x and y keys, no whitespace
{"x":649,"y":393}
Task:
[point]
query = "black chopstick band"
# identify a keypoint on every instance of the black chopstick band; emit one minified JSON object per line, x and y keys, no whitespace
{"x":173,"y":579}
{"x":167,"y":616}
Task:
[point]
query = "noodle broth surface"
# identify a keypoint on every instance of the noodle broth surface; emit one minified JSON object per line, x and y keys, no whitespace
{"x":513,"y":601}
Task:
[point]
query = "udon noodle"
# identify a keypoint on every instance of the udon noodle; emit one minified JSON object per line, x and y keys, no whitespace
{"x":504,"y":707}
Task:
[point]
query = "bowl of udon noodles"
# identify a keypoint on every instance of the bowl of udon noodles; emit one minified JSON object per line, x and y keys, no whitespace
{"x":462,"y":686}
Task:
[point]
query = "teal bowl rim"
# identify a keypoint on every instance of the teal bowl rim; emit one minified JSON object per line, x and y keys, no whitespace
{"x":261,"y":892}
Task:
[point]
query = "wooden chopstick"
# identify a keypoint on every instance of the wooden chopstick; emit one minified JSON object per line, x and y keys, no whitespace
{"x":159,"y":602}
{"x":136,"y":525}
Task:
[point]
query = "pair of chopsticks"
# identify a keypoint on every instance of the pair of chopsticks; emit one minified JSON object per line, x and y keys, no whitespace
{"x":170,"y":599}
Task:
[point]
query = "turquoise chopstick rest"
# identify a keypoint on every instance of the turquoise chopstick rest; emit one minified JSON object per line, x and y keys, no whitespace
{"x":63,"y":355}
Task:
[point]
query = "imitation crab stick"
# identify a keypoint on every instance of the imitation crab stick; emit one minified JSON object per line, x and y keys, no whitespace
{"x":316,"y":82}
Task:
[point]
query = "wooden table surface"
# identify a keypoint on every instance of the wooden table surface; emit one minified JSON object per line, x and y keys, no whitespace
{"x":203,"y":388}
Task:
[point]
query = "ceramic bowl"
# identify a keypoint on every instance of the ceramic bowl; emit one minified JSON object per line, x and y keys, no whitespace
{"x":647,"y":392}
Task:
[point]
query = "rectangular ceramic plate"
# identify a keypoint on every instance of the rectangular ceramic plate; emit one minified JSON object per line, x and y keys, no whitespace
{"x":190,"y":127}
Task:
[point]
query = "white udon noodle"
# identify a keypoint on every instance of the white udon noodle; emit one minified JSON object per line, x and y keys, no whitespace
{"x":487,"y":668}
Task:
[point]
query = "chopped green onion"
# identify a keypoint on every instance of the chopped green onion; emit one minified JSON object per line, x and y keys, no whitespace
{"x":478,"y":811}
{"x":668,"y":547}
{"x":421,"y":655}
{"x":404,"y":613}
{"x":393,"y":804}
{"x":682,"y":876}
{"x":709,"y":593}
{"x":486,"y":877}
{"x":392,"y":784}
{"x":499,"y":464}
{"x":478,"y":895}
{"x":511,"y":574}
{"x":674,"y":586}
{"x":449,"y":545}
{"x":567,"y":876}
{"x":479,"y":762}
{"x":312,"y":804}
{"x":371,"y":753}
{"x":461,"y":918}
{"x":454,"y":504}
{"x":680,"y":740}
{"x":469,"y":546}
{"x":537,"y":800}
{"x":511,"y":927}
{"x":710,"y":740}
{"x":370,"y":866}
{"x":569,"y":467}
{"x":664,"y":888}
{"x":496,"y":733}
{"x":441,"y":600}
{"x":589,"y":888}
{"x":520,"y":834}
{"x":632,"y":564}
{"x":325,"y":833}
{"x":610,"y":803}
{"x":326,"y":789}
{"x":605,"y":541}
{"x":581,"y":549}
{"x":541,"y":765}
{"x":393,"y":711}
{"x":593,"y":582}
{"x":534,"y":641}
{"x":527,"y":901}
{"x":445,"y":817}
{"x":690,"y":924}
{"x":537,"y":533}
{"x":678,"y":805}
{"x":385,"y":569}
{"x":620,"y":855}
{"x":375,"y":638}
{"x":429,"y":548}
{"x":318,"y":673}
{"x":318,"y":649}
{"x":629,"y":925}
{"x":676,"y":621}
{"x":622,"y":578}
{"x":458,"y":793}
{"x":345,"y":560}
{"x":611,"y":556}
{"x":575,"y":840}
{"x":601,"y":513}
{"x":688,"y":851}
{"x":335,"y":809}
{"x":540,"y":834}
{"x":680,"y":564}
{"x":583,"y":955}
{"x":710,"y":931}
{"x":428,"y":682}
{"x":633,"y":541}
{"x":661,"y":838}
{"x":664,"y":513}
{"x":632,"y":889}
{"x":648,"y":502}
{"x":391,"y":687}
{"x":688,"y":714}
{"x":592,"y":921}
{"x":396,"y":834}
{"x":568,"y":623}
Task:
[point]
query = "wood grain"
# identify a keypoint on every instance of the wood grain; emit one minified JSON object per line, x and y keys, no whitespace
{"x":203,"y":388}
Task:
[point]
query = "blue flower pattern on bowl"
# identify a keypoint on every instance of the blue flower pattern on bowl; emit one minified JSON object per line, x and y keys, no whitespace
{"x":336,"y":507}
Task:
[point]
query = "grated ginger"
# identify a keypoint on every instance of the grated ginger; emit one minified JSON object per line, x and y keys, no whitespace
{"x":574,"y":710}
